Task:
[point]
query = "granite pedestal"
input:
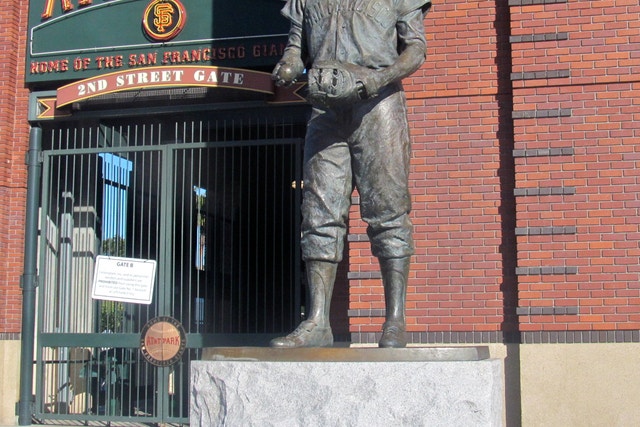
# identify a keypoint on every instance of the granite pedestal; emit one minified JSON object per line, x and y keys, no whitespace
{"x":456,"y":386}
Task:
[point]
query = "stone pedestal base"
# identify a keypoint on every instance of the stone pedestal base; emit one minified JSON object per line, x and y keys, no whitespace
{"x":347,"y":387}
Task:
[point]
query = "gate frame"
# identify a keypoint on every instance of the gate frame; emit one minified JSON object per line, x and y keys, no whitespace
{"x":26,"y":406}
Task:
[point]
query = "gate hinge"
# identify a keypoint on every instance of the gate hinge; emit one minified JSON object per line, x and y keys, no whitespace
{"x":31,"y":403}
{"x":31,"y":279}
{"x":34,"y":157}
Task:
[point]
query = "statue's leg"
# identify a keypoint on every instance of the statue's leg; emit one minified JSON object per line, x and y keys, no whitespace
{"x":321,"y":276}
{"x":395,"y":274}
{"x":381,"y":170}
{"x":325,"y":207}
{"x":316,"y":330}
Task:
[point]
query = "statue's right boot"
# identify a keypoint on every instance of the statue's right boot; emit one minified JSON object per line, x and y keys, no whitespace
{"x":395,"y":274}
{"x":316,"y":330}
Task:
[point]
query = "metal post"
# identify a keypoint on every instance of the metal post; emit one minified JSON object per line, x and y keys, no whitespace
{"x":65,"y":267}
{"x":30,"y":277}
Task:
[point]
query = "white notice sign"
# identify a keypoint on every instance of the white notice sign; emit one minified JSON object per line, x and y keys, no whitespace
{"x":124,"y":279}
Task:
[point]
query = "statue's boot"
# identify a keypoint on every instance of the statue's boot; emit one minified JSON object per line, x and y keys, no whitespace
{"x":395,"y":274}
{"x":316,"y":330}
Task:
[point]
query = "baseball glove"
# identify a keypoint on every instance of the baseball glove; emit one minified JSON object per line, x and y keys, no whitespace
{"x":335,"y":84}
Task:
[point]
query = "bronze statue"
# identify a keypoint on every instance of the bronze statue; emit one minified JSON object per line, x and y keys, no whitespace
{"x":356,"y":53}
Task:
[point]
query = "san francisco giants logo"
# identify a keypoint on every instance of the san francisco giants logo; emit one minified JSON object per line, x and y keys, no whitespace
{"x":164,"y":16}
{"x":164,"y":19}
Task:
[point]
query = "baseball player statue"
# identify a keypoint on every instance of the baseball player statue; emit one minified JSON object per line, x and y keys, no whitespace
{"x":356,"y":53}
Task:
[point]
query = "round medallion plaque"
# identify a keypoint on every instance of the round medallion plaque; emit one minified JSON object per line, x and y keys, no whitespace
{"x":164,"y":19}
{"x":163,"y":341}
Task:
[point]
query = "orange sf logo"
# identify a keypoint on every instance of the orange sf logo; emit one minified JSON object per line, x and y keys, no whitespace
{"x":164,"y":19}
{"x":163,"y":13}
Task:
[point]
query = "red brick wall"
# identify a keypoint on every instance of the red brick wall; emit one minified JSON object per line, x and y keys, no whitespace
{"x":526,"y":122}
{"x":462,"y":280}
{"x":14,"y":134}
{"x":577,"y":133}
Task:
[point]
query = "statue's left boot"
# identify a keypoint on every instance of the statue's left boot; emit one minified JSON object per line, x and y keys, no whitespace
{"x":316,"y":330}
{"x":395,"y":274}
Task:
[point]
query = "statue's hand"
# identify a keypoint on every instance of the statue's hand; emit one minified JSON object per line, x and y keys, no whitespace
{"x":288,"y":69}
{"x":373,"y":81}
{"x":335,"y":84}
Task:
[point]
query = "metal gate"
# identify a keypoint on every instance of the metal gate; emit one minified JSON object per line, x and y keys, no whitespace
{"x":215,"y":202}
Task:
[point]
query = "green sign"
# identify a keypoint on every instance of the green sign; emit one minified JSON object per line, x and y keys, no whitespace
{"x":71,"y":40}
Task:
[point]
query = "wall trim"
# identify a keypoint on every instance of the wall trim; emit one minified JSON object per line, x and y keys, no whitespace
{"x":539,"y":37}
{"x":535,"y":75}
{"x":493,"y":337}
{"x":10,"y":336}
{"x":545,"y":191}
{"x":542,"y":113}
{"x":538,"y":271}
{"x":545,"y":231}
{"x":534,"y":2}
{"x":544,"y":152}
